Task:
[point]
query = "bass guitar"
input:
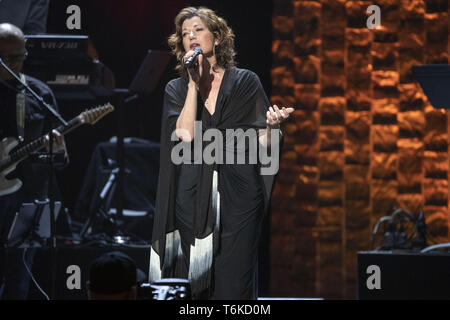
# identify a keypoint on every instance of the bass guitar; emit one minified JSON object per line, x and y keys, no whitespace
{"x":9,"y":160}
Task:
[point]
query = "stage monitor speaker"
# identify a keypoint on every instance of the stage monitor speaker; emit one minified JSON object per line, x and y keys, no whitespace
{"x":402,"y":274}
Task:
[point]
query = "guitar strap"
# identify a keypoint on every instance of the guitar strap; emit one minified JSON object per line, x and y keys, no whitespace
{"x":20,"y":111}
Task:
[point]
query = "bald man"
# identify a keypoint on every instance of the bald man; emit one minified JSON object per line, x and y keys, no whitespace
{"x":12,"y":49}
{"x":24,"y":118}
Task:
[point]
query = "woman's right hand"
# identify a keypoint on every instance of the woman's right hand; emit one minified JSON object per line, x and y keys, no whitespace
{"x":195,"y":71}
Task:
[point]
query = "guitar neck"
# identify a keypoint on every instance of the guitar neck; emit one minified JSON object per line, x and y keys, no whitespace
{"x":89,"y":117}
{"x":39,"y":143}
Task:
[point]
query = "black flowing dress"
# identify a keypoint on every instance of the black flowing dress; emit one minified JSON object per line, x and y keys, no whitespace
{"x":242,"y":213}
{"x":184,"y":203}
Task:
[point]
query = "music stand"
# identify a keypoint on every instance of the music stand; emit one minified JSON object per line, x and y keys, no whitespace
{"x":145,"y":81}
{"x":31,"y":225}
{"x":150,"y":72}
{"x":435,"y":82}
{"x":31,"y":222}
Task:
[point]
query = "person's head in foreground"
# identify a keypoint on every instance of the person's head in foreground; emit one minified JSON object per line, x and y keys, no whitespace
{"x":112,"y":276}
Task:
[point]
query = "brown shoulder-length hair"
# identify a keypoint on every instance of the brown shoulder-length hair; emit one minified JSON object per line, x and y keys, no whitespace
{"x":224,"y":51}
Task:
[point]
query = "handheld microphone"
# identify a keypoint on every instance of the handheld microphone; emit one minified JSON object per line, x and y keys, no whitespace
{"x":190,"y":61}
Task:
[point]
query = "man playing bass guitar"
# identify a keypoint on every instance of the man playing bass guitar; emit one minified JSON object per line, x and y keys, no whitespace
{"x":22,"y":117}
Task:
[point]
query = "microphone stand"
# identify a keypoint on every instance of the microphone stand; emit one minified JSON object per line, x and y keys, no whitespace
{"x":35,"y":95}
{"x":119,"y":238}
{"x":50,"y":182}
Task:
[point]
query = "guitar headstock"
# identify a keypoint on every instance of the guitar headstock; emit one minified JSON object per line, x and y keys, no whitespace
{"x":94,"y":115}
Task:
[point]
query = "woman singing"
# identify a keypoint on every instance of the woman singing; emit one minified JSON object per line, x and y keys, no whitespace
{"x":208,"y":215}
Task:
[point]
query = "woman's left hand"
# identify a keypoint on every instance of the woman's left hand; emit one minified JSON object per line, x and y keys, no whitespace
{"x":275,"y":115}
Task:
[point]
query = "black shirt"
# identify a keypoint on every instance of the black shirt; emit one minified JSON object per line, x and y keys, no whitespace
{"x":37,"y":123}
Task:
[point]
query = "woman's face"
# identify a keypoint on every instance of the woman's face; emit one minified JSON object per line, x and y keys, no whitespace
{"x":195,"y":34}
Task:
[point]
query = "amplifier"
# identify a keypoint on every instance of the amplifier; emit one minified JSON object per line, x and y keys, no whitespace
{"x":51,"y":46}
{"x":68,"y":65}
